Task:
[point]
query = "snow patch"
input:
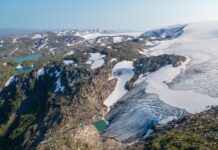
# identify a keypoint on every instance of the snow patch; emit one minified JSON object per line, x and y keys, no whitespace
{"x":44,"y":44}
{"x":95,"y":60}
{"x":52,"y":50}
{"x":57,"y":73}
{"x":16,"y":49}
{"x":61,"y":33}
{"x":144,"y":52}
{"x":117,"y":39}
{"x":113,"y":60}
{"x":37,"y":36}
{"x":40,"y":72}
{"x":11,"y":80}
{"x":14,"y":40}
{"x":109,"y":47}
{"x":19,"y":67}
{"x":90,"y":36}
{"x":1,"y":43}
{"x":70,"y":53}
{"x":68,"y":62}
{"x":59,"y":87}
{"x":123,"y":71}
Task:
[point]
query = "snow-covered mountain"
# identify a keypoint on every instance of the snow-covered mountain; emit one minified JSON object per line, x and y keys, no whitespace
{"x":165,"y":33}
{"x":107,"y":40}
{"x":58,"y":42}
{"x":131,"y":82}
{"x":191,"y":86}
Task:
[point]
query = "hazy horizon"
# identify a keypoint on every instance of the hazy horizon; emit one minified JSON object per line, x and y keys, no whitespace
{"x":137,"y":15}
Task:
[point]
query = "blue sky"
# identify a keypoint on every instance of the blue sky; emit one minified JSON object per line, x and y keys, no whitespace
{"x":104,"y":14}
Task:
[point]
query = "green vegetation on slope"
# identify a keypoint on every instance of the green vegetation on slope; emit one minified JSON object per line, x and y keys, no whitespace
{"x":197,"y":132}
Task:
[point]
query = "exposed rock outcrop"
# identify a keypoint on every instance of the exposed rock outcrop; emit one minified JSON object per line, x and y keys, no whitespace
{"x":164,"y":34}
{"x":150,"y":64}
{"x":52,"y":103}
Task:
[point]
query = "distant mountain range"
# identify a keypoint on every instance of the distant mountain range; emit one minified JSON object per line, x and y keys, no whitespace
{"x":14,"y":31}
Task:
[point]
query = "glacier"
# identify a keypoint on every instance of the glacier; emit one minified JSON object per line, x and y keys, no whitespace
{"x":199,"y":42}
{"x":136,"y":113}
{"x":169,"y":92}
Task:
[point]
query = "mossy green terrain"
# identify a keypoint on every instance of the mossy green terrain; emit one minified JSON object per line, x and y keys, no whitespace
{"x":195,"y":132}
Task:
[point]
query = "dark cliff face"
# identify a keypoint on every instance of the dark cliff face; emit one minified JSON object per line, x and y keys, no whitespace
{"x":34,"y":104}
{"x":153,"y":63}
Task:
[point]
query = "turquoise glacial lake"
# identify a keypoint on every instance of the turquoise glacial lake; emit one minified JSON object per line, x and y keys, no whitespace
{"x":28,"y":57}
{"x":28,"y":68}
{"x":100,"y":125}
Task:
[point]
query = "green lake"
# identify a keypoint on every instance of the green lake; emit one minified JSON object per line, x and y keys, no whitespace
{"x":28,"y":57}
{"x":100,"y":125}
{"x":28,"y":68}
